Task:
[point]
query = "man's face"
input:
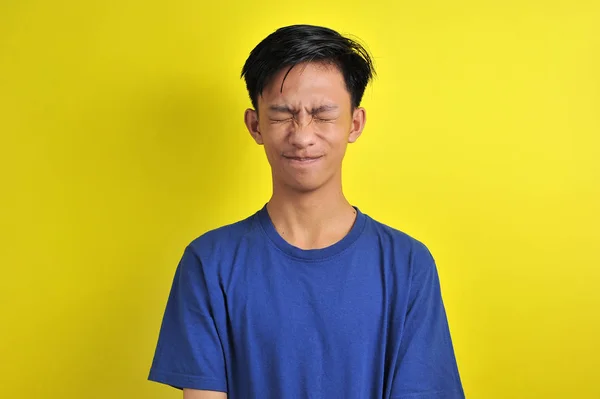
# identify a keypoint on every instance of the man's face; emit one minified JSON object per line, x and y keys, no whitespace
{"x":306,"y":127}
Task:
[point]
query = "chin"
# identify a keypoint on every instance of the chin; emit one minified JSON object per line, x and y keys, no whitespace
{"x":305,"y":187}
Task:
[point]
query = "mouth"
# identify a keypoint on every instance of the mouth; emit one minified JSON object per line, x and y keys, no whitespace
{"x":302,"y":160}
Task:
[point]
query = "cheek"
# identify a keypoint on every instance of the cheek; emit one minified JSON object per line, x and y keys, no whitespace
{"x":269,"y":150}
{"x":272,"y":149}
{"x":336,"y":135}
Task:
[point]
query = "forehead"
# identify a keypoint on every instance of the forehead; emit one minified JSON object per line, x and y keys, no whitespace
{"x":306,"y":84}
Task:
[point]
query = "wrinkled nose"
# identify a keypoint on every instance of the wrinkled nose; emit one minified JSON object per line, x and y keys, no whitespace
{"x":301,"y":133}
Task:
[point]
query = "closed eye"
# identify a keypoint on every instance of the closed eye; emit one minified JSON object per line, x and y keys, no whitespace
{"x":284,"y":120}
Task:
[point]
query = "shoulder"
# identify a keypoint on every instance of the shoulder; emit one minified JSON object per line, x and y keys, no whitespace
{"x":397,"y":239}
{"x":224,"y":239}
{"x":399,"y":243}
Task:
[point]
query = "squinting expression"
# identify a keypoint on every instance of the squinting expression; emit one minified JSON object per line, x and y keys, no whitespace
{"x":306,"y":126}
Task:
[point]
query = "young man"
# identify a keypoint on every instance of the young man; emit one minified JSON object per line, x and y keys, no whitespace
{"x":309,"y":297}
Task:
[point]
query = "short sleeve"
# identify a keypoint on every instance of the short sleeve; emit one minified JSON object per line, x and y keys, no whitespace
{"x":427,"y":366}
{"x":189,"y":353}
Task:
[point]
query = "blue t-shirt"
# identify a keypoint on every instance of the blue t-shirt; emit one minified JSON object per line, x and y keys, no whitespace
{"x":254,"y":316}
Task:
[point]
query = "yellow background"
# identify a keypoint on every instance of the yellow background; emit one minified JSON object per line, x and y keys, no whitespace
{"x":122,"y":140}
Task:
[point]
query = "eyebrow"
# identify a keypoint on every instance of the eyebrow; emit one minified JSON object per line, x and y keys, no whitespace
{"x":289,"y":110}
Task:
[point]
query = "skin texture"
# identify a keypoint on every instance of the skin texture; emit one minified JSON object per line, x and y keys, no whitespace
{"x":196,"y":394}
{"x":308,"y":115}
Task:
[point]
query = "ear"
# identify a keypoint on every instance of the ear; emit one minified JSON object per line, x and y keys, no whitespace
{"x":359,"y":118}
{"x":251,"y":121}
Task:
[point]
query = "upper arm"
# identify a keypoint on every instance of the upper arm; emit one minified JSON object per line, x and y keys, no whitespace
{"x":427,"y":365}
{"x":196,"y":394}
{"x":189,"y":352}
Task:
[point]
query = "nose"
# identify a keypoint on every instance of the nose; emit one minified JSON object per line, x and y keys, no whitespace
{"x":301,"y":133}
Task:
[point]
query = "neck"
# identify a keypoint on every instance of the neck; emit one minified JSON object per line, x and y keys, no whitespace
{"x":311,"y":220}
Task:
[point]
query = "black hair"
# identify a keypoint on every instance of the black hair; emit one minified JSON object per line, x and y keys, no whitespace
{"x":295,"y":44}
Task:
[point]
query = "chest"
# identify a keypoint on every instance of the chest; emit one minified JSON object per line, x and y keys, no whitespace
{"x":293,"y":306}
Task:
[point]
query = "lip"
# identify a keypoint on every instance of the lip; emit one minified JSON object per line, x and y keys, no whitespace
{"x":303,"y":161}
